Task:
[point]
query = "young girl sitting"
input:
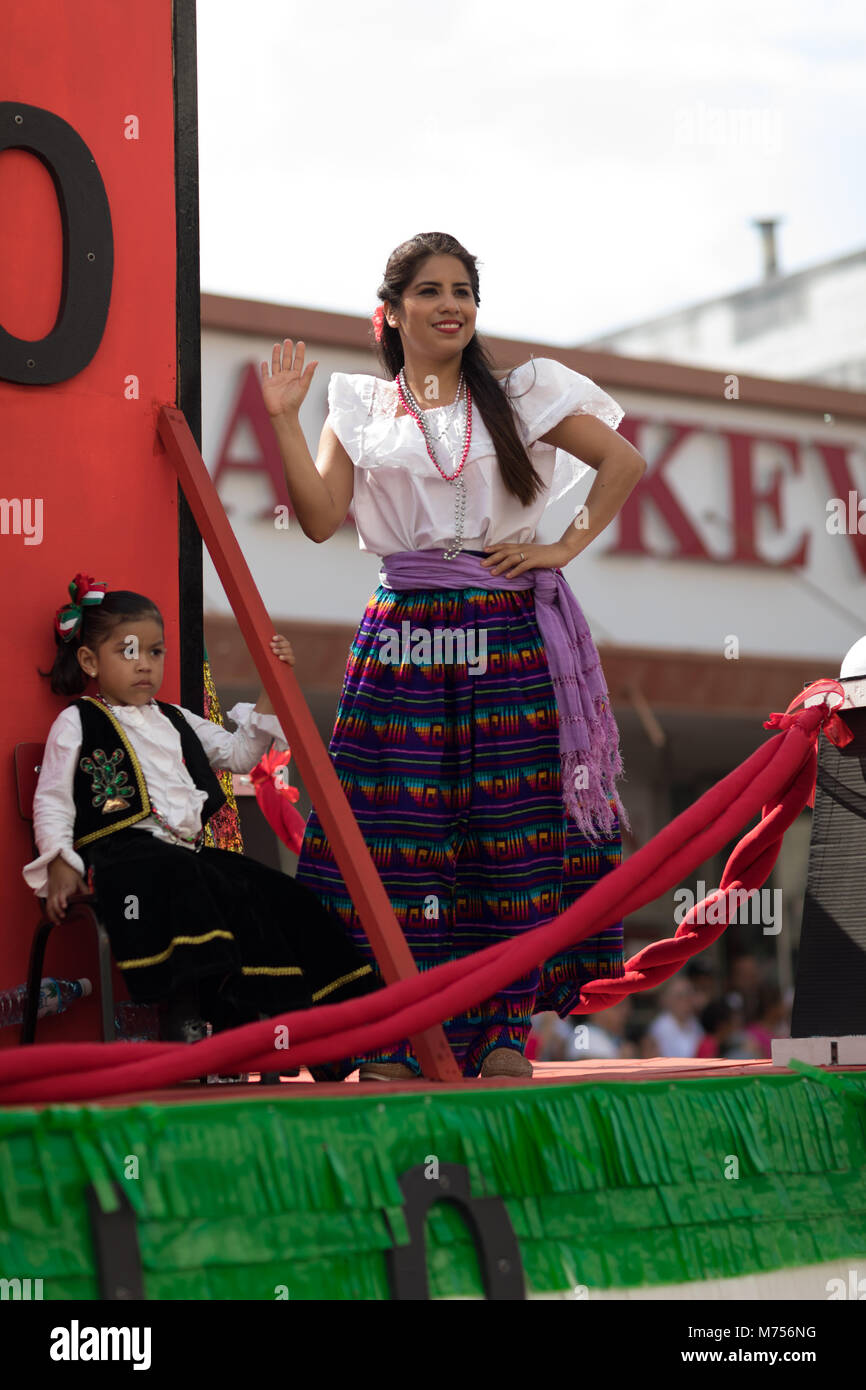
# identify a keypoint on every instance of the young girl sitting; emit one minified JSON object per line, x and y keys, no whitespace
{"x":125,"y":790}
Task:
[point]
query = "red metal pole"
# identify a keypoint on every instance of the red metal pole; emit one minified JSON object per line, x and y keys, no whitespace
{"x":350,"y":850}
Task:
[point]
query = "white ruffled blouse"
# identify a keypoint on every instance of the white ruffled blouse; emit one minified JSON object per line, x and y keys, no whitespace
{"x":401,"y":501}
{"x":156,"y":744}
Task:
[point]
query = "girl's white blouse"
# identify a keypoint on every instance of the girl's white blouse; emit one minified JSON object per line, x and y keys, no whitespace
{"x":156,"y":743}
{"x":401,"y":501}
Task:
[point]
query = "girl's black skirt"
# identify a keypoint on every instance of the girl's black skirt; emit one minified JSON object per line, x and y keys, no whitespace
{"x":248,"y":939}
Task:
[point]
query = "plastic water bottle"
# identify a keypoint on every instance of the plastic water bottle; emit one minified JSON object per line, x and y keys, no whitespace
{"x":55,"y":996}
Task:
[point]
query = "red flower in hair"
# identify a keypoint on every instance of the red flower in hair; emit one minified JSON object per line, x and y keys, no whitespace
{"x":378,"y":319}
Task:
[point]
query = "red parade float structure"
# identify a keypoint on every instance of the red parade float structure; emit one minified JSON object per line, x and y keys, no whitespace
{"x":99,"y":391}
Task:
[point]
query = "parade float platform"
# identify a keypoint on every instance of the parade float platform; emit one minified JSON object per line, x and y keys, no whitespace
{"x":621,"y":1180}
{"x":654,"y":1179}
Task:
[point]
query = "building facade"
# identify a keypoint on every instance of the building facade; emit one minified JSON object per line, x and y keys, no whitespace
{"x":729,"y":580}
{"x":803,"y":326}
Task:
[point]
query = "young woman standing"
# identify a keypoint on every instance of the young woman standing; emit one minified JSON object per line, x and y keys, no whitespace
{"x":484,"y":788}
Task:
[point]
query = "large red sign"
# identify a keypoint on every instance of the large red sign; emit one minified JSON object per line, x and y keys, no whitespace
{"x":88,"y":354}
{"x":749,"y":502}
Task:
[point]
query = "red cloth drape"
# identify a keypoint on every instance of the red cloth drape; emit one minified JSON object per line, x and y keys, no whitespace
{"x":776,"y":782}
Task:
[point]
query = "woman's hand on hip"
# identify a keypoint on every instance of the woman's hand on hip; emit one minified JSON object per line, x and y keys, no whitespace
{"x":506,"y":558}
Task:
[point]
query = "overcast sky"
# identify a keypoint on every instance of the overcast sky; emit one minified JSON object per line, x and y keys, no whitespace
{"x":602,"y":161}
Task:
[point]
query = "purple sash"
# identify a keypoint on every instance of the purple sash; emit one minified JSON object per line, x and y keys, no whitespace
{"x":588,"y":735}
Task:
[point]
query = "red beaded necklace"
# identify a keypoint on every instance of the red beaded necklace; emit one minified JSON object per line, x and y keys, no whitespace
{"x":410,"y":408}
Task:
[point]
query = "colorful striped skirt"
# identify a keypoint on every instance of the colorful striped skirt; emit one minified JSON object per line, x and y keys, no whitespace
{"x":450,"y":761}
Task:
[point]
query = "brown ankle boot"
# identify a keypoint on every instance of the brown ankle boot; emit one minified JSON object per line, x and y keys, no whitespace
{"x":386,"y":1071}
{"x":506,"y":1061}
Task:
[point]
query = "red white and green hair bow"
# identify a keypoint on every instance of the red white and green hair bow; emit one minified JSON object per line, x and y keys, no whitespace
{"x":85,"y":592}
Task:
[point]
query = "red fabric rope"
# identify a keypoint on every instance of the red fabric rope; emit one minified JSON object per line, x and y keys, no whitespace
{"x":776,"y":781}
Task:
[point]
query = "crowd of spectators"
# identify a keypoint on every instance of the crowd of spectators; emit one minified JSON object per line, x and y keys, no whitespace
{"x":697,"y":1014}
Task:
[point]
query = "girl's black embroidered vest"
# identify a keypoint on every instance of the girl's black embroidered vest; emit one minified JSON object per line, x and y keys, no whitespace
{"x":109,"y":788}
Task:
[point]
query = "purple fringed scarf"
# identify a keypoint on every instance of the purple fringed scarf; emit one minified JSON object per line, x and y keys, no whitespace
{"x":588,"y":735}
